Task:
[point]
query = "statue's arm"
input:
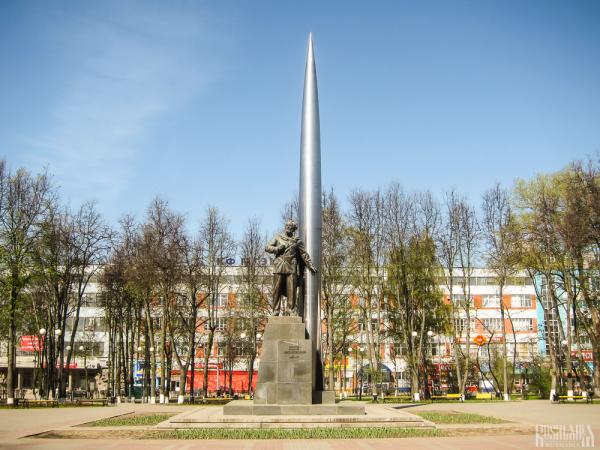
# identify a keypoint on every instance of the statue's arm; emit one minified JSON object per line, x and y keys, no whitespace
{"x":273,"y":247}
{"x":306,"y":257}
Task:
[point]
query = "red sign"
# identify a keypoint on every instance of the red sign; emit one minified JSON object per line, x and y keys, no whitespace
{"x":73,"y":365}
{"x":239,"y":380}
{"x":31,"y":343}
{"x":480,"y":339}
{"x":587,"y":355}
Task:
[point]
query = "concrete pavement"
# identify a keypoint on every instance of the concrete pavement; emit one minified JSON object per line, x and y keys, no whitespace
{"x":14,"y":424}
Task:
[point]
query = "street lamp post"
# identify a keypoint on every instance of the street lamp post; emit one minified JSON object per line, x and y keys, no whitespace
{"x":362,"y":373}
{"x":429,"y":336}
{"x":439,"y":368}
{"x":354,"y":380}
{"x":137,"y":366}
{"x":41,"y":343}
{"x":152,"y":376}
{"x":70,"y":387}
{"x":58,"y":353}
{"x":416,"y":395}
{"x":83,"y":351}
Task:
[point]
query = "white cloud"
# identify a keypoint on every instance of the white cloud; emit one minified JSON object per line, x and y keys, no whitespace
{"x":125,"y":68}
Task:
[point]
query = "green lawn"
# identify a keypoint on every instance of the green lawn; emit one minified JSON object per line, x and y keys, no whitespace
{"x":300,"y":433}
{"x":130,"y":420}
{"x":447,"y":417}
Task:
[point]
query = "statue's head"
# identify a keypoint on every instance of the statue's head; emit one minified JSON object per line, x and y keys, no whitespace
{"x":290,"y":227}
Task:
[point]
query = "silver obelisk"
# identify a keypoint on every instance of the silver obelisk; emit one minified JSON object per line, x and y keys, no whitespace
{"x":310,"y":208}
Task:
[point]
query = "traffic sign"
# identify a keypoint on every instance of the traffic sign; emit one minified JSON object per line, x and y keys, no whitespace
{"x":480,"y":340}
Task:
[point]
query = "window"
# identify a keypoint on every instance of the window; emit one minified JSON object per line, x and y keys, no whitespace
{"x":243,"y":325}
{"x":438,"y":349}
{"x":492,"y":324}
{"x":70,"y":323}
{"x":98,"y":349}
{"x":361,"y":325}
{"x":89,"y":300}
{"x":521,"y":301}
{"x":181,"y":301}
{"x":523,"y":350}
{"x":92,"y":324}
{"x":461,"y":299}
{"x":90,"y":349}
{"x":490,"y":301}
{"x":243,"y":348}
{"x":222,"y":299}
{"x":374,"y":325}
{"x":461,"y":325}
{"x":522,"y":324}
{"x":220,"y":323}
{"x":398,"y":349}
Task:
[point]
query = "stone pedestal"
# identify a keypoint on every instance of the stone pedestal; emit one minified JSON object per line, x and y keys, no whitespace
{"x":284,"y":385}
{"x":286,"y":364}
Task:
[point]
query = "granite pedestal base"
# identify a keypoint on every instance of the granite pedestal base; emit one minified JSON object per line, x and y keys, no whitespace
{"x":285,"y":376}
{"x":286,"y":364}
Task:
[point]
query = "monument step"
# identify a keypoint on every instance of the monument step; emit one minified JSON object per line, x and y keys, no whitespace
{"x":242,"y":407}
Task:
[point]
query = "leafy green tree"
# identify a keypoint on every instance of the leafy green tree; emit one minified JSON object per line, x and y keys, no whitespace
{"x":25,"y":200}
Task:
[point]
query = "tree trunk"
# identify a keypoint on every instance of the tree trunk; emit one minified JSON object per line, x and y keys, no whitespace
{"x":251,"y":370}
{"x":504,"y":348}
{"x":10,"y":369}
{"x":207,"y":352}
{"x":596,"y":353}
{"x":182,"y":383}
{"x":331,"y":354}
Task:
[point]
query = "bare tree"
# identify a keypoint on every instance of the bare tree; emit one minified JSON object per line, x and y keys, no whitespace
{"x":254,"y":290}
{"x":367,"y":267}
{"x":91,"y":242}
{"x":56,"y":260}
{"x":187,"y":315}
{"x":217,"y":245}
{"x":457,"y":245}
{"x":165,"y":229}
{"x":335,"y":282}
{"x":498,"y":223}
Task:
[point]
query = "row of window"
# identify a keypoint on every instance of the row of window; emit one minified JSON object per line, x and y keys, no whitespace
{"x":87,"y":324}
{"x":495,"y":324}
{"x":488,"y":281}
{"x":493,"y":300}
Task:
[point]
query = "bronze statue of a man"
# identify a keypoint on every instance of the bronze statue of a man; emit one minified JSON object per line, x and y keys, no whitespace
{"x":290,"y":259}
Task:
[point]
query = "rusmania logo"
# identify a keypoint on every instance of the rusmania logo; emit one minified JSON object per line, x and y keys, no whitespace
{"x":562,"y":436}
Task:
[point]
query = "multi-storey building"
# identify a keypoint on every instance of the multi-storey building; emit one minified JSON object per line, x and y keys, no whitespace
{"x":521,"y":325}
{"x":483,"y":300}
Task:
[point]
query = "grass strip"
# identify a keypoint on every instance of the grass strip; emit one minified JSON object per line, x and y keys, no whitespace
{"x":130,"y":420}
{"x":456,"y":417}
{"x":294,"y":433}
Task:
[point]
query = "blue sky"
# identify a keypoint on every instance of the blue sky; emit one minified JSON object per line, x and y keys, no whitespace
{"x":200,"y":102}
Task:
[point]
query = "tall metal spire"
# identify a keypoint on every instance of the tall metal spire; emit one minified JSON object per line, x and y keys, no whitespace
{"x":310,"y":207}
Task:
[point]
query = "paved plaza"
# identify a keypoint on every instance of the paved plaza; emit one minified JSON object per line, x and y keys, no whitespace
{"x":17,"y":424}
